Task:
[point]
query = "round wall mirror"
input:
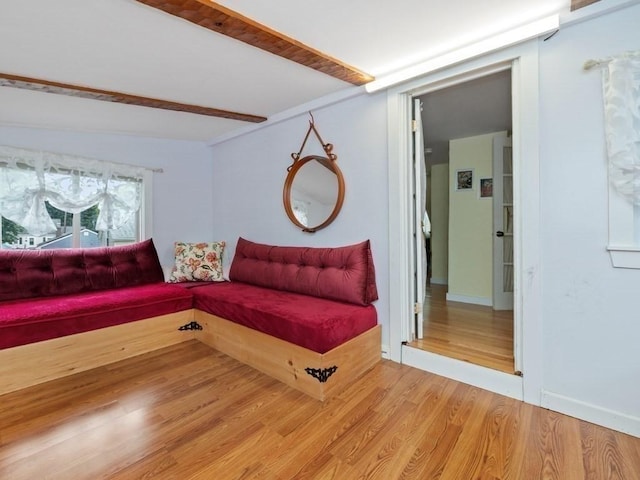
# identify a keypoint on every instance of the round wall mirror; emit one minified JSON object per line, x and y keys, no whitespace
{"x":313,"y":192}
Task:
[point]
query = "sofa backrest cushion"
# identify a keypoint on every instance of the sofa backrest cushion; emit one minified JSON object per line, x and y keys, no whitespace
{"x":44,"y":273}
{"x":345,"y":273}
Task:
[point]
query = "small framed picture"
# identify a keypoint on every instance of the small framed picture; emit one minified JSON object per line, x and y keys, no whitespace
{"x":464,"y":180}
{"x":486,"y":187}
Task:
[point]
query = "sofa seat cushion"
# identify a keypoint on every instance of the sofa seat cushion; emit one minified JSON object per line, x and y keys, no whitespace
{"x":36,"y":319}
{"x":314,"y":323}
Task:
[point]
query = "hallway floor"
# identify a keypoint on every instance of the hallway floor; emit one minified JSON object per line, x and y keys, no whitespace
{"x":473,"y":333}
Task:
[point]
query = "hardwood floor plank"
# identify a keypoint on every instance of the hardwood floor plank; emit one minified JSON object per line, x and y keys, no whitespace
{"x":189,"y":412}
{"x":603,"y":453}
{"x":437,"y":446}
{"x":483,"y":446}
{"x":327,"y":467}
{"x":155,"y":465}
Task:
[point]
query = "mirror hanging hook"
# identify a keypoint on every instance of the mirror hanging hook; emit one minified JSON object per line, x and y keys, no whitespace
{"x":327,"y":147}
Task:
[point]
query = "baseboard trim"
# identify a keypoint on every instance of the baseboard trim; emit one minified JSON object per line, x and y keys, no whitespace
{"x":475,"y":375}
{"x":591,"y":413}
{"x":452,"y":297}
{"x":439,"y":281}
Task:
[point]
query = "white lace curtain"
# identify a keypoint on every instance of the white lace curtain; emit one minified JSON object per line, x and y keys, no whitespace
{"x":29,"y":178}
{"x":621,"y":88}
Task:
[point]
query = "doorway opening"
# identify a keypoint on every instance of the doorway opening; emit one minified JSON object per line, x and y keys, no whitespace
{"x":465,"y":206}
{"x":523,"y":61}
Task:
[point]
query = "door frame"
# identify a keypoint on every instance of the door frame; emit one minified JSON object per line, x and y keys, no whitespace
{"x":523,"y":61}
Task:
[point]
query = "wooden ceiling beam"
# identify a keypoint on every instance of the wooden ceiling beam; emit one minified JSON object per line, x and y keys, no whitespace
{"x":48,"y":86}
{"x":576,"y":4}
{"x":227,"y":22}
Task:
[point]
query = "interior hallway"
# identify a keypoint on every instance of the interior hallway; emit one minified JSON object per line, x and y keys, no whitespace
{"x":473,"y":333}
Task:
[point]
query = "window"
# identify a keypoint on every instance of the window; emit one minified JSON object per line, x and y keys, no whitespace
{"x":50,"y":200}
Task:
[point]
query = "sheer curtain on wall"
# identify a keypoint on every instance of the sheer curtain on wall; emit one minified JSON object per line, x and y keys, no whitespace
{"x":30,"y":178}
{"x":621,"y":95}
{"x":621,"y":85}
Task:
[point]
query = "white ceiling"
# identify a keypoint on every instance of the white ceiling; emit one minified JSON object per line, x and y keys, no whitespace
{"x":476,"y":107}
{"x":125,"y":46}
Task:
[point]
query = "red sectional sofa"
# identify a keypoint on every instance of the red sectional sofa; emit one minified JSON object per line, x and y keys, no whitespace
{"x":317,"y":298}
{"x":47,"y":294}
{"x":299,"y":314}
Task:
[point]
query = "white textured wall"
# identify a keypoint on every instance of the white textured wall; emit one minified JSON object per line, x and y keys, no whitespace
{"x":250,"y":173}
{"x":471,"y":221}
{"x":182,"y":195}
{"x":590,"y":309}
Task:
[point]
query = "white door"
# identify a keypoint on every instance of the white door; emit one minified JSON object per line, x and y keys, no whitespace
{"x":420,"y":203}
{"x":502,"y":223}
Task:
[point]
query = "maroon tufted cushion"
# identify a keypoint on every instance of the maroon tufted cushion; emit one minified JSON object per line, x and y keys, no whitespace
{"x":33,"y":320}
{"x":44,"y":273}
{"x":314,"y":323}
{"x":343,"y":273}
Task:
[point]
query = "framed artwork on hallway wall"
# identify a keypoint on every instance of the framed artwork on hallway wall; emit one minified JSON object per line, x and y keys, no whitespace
{"x":486,"y":187}
{"x":464,"y":180}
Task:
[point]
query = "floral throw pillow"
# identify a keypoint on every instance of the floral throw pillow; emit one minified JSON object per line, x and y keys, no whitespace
{"x":198,"y":262}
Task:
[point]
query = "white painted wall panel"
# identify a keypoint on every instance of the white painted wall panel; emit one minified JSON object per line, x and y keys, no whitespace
{"x":590,"y":310}
{"x":439,"y":223}
{"x":471,"y":221}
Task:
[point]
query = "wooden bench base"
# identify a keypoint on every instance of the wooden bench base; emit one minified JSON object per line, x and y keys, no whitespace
{"x":319,"y":375}
{"x":35,"y":363}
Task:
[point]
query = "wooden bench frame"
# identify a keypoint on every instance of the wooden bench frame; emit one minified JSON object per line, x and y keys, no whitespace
{"x":318,"y":375}
{"x":39,"y":362}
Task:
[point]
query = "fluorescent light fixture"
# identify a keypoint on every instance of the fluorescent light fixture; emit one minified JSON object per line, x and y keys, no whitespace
{"x":496,"y":42}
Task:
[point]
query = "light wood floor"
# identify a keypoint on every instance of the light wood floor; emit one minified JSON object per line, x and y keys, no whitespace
{"x":188,"y":412}
{"x":473,"y":333}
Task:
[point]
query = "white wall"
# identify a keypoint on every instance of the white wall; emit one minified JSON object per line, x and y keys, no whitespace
{"x":251,"y":170}
{"x":182,"y":195}
{"x":591,"y":327}
{"x":470,"y":223}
